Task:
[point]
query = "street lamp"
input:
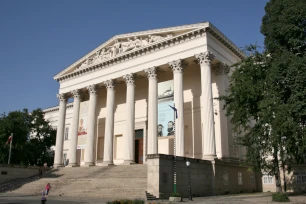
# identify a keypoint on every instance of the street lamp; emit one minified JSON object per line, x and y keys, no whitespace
{"x":189,"y":189}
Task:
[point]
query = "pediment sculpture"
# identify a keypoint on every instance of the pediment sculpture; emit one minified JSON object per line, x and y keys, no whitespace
{"x":121,"y":46}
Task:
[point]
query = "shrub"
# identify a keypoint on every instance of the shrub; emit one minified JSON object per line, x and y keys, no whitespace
{"x":175,"y":195}
{"x":126,"y":202}
{"x":280,"y":197}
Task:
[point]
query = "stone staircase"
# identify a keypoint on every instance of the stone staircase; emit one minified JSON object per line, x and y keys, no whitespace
{"x":111,"y":182}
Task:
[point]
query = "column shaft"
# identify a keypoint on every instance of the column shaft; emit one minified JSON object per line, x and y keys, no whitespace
{"x":179,"y":105}
{"x":177,"y":68}
{"x":60,"y":131}
{"x":109,"y":124}
{"x":208,"y":133}
{"x":129,"y":137}
{"x":90,"y":142}
{"x":152,"y":111}
{"x":74,"y":129}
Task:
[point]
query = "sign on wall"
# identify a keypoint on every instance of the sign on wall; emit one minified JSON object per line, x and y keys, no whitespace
{"x":82,"y":127}
{"x":165,"y":113}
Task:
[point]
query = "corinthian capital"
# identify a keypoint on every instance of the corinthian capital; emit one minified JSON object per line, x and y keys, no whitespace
{"x":76,"y":93}
{"x":62,"y":97}
{"x":177,"y":65}
{"x":221,"y":68}
{"x":205,"y":57}
{"x":151,"y":72}
{"x":129,"y":79}
{"x":109,"y":84}
{"x":92,"y":89}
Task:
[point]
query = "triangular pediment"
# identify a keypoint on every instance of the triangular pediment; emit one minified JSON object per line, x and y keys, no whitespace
{"x":125,"y":43}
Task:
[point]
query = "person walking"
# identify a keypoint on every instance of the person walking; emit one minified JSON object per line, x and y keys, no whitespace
{"x":47,"y":189}
{"x":43,"y":198}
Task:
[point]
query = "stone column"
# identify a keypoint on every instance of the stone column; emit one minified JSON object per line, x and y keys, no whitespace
{"x":74,"y":129}
{"x":58,"y":157}
{"x":152,"y":111}
{"x":109,"y":124}
{"x":91,"y":126}
{"x":208,"y":133}
{"x":177,"y":67}
{"x":129,"y":136}
{"x":221,"y":121}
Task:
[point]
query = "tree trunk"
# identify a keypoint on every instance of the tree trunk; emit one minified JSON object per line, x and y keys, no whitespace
{"x":284,"y":175}
{"x":276,"y":170}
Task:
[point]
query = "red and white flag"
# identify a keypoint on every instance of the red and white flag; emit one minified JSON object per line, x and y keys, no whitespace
{"x":9,"y":139}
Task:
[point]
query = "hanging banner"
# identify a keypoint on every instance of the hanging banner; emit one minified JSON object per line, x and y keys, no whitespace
{"x":165,"y":113}
{"x":82,"y":128}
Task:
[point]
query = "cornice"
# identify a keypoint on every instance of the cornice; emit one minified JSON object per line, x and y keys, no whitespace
{"x":202,"y":28}
{"x":227,"y":42}
{"x":147,"y":32}
{"x":56,"y":108}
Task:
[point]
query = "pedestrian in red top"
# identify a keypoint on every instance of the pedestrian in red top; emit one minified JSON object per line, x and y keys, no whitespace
{"x":47,"y":189}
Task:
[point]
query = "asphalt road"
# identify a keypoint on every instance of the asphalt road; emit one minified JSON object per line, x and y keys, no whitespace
{"x":21,"y":199}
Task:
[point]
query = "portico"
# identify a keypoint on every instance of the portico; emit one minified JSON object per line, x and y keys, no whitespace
{"x":118,"y":82}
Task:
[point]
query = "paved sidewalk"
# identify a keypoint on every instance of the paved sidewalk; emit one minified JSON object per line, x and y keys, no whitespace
{"x":259,"y":198}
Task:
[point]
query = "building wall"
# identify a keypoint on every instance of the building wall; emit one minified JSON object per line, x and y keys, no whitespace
{"x":295,"y":180}
{"x":192,"y":116}
{"x":206,"y":177}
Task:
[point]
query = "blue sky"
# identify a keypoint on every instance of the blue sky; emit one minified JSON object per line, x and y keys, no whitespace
{"x":39,"y":38}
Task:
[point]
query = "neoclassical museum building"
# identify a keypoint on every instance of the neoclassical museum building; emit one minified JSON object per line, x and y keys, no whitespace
{"x":124,"y":89}
{"x":145,"y":94}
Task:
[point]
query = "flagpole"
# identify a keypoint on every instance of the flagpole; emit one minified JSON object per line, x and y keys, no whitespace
{"x":174,"y":153}
{"x":9,"y":159}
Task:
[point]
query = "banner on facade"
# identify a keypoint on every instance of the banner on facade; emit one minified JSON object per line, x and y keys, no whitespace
{"x":82,"y":127}
{"x":165,"y":113}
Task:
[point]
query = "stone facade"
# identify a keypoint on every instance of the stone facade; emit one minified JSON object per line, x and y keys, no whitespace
{"x":118,"y":82}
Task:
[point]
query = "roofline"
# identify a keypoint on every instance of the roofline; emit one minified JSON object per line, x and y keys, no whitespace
{"x":56,"y":108}
{"x":210,"y":27}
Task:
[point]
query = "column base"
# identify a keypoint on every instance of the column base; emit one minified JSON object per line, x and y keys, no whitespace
{"x":73,"y":165}
{"x":128,"y":162}
{"x":210,"y":157}
{"x":107,"y":163}
{"x":87,"y":164}
{"x":57,"y":165}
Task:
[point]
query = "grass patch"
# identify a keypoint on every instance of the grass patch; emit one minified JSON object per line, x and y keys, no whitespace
{"x":280,"y":197}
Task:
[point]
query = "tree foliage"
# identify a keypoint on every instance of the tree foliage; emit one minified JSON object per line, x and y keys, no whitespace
{"x":32,"y":138}
{"x":267,"y":95}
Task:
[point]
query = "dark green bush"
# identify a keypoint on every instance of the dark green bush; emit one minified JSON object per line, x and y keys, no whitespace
{"x":280,"y":197}
{"x":136,"y":201}
{"x":175,"y":195}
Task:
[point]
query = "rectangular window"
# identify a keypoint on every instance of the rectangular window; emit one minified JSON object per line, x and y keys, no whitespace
{"x":252,"y":178}
{"x":66,"y":133}
{"x":239,"y":178}
{"x":225,"y":178}
{"x":64,"y":158}
{"x":267,"y":179}
{"x":236,"y":151}
{"x":300,"y":177}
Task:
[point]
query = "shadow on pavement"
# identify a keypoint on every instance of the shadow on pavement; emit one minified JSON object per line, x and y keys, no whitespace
{"x":19,"y":182}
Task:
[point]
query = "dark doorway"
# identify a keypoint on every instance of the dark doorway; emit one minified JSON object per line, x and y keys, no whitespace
{"x":139,"y":146}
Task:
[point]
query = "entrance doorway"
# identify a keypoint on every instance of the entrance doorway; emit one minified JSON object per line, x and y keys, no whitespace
{"x":139,"y":146}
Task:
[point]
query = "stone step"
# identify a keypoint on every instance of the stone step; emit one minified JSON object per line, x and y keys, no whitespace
{"x":114,"y":182}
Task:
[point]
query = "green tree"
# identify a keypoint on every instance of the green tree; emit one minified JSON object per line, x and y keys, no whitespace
{"x":267,"y":95}
{"x":32,"y":138}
